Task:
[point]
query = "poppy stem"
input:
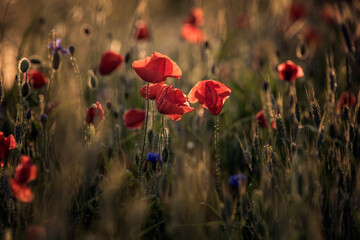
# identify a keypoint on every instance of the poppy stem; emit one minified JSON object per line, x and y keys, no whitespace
{"x":145,"y":130}
{"x":217,"y":160}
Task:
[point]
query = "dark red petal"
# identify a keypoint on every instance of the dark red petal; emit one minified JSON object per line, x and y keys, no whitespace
{"x":110,"y":61}
{"x":37,"y":79}
{"x":134,"y":118}
{"x":154,"y":89}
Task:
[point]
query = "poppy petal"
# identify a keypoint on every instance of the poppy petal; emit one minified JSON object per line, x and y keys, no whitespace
{"x":156,"y":68}
{"x":110,"y":61}
{"x":134,"y":118}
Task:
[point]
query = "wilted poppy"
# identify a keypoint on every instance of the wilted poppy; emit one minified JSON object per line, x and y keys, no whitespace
{"x":6,"y":144}
{"x":110,"y":61}
{"x":191,"y":30}
{"x":260,"y":116}
{"x":345,"y":99}
{"x":156,"y":68}
{"x":289,"y":71}
{"x":37,"y":79}
{"x":94,"y":110}
{"x":153,"y":90}
{"x":25,"y":172}
{"x":172,"y":102}
{"x":134,"y":118}
{"x":141,"y":30}
{"x":210,"y":94}
{"x":297,"y":11}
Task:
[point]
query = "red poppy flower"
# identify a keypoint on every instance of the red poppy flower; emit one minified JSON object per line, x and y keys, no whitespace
{"x":156,"y":68}
{"x":110,"y":61}
{"x":25,"y":172}
{"x":190,"y":30}
{"x":192,"y":33}
{"x":260,"y":116}
{"x":211,"y":94}
{"x":37,"y":79}
{"x":6,"y":144}
{"x":297,"y":11}
{"x":154,"y":89}
{"x":345,"y":99}
{"x":141,"y":30}
{"x":134,"y":118}
{"x":289,"y":71}
{"x":94,"y":110}
{"x":172,"y":102}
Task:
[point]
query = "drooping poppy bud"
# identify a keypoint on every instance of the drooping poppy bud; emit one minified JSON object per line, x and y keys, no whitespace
{"x":110,"y":61}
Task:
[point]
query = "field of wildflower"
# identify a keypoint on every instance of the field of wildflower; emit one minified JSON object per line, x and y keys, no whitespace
{"x":170,"y":119}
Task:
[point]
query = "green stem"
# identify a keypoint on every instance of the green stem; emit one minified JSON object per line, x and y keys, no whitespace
{"x":145,"y":130}
{"x":217,"y":160}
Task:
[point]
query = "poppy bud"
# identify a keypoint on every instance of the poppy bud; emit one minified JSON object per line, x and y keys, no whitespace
{"x":72,"y":50}
{"x":265,"y":86}
{"x":25,"y":89}
{"x":24,"y":65}
{"x":28,"y":114}
{"x":92,"y":80}
{"x":127,"y":57}
{"x":165,"y":155}
{"x":17,"y":133}
{"x":56,"y":61}
{"x":108,"y":106}
{"x":35,"y":60}
{"x":43,"y":118}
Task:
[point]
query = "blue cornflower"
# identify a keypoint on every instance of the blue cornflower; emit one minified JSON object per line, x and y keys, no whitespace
{"x":236,"y":179}
{"x":56,"y":46}
{"x":153,"y":157}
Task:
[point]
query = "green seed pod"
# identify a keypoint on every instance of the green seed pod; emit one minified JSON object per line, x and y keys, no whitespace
{"x":72,"y":50}
{"x":297,"y":112}
{"x":25,"y":89}
{"x":24,"y":65}
{"x":165,"y":155}
{"x":93,"y":81}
